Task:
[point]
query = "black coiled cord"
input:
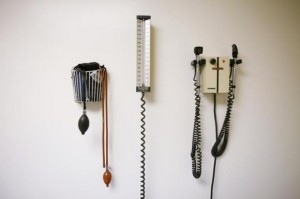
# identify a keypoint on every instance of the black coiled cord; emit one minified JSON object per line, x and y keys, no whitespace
{"x":222,"y":139}
{"x":143,"y":147}
{"x":196,"y":154}
{"x":224,"y":134}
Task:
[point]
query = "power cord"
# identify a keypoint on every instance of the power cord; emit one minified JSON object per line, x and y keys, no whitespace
{"x":215,"y":158}
{"x":222,"y":139}
{"x":218,"y":150}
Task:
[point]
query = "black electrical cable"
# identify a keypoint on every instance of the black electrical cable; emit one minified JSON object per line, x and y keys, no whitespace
{"x":215,"y":158}
{"x":218,"y":150}
{"x":143,"y":147}
{"x":222,"y":139}
{"x":196,"y":154}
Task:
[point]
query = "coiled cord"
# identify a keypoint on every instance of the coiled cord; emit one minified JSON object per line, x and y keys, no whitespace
{"x":196,"y":154}
{"x":218,"y":150}
{"x":143,"y":147}
{"x":224,"y":134}
{"x":222,"y":139}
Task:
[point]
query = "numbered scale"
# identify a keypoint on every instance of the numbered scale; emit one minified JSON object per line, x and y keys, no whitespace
{"x":143,"y":81}
{"x":143,"y":54}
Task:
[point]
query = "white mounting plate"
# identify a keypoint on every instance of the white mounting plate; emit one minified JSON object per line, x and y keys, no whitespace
{"x":215,"y":75}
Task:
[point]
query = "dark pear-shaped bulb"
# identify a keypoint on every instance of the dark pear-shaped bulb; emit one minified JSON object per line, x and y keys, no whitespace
{"x":83,"y":123}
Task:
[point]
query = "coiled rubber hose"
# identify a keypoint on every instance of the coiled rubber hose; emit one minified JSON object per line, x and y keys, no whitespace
{"x":143,"y":147}
{"x":221,"y":142}
{"x":196,"y":154}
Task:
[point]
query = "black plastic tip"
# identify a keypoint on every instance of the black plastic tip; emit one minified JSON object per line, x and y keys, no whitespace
{"x":145,"y":17}
{"x":235,"y":51}
{"x":198,"y":50}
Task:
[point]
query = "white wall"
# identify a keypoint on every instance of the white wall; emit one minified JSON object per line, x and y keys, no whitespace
{"x":43,"y":154}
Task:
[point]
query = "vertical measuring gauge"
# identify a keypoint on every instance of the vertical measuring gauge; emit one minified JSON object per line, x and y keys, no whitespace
{"x":143,"y":83}
{"x":143,"y":53}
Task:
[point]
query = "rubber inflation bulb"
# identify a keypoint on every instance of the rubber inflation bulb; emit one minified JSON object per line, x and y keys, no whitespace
{"x":107,"y":177}
{"x":83,"y":123}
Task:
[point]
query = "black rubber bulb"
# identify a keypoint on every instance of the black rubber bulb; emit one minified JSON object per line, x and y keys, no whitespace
{"x":83,"y":123}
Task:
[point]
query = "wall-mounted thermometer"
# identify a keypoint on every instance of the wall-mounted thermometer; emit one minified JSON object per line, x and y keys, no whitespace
{"x":143,"y":80}
{"x":143,"y":53}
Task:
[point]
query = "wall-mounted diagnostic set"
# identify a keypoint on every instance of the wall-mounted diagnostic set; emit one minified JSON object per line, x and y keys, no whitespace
{"x":143,"y":79}
{"x":213,"y":75}
{"x":216,"y":75}
{"x":90,"y":85}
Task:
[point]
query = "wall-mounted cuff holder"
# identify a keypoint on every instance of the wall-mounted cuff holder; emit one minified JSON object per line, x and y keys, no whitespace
{"x":90,"y":85}
{"x":87,"y":88}
{"x":86,"y":79}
